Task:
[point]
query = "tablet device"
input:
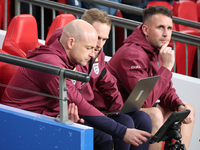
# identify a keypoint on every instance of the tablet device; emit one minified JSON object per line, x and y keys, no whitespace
{"x":175,"y":118}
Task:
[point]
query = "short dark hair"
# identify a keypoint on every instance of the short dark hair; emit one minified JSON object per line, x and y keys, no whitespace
{"x":152,"y":10}
{"x":95,"y":14}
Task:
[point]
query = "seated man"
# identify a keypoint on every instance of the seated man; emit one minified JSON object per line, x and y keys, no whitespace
{"x":145,"y":53}
{"x":75,"y":47}
{"x":102,"y":79}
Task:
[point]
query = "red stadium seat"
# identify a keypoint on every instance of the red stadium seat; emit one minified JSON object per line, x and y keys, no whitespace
{"x":21,"y":36}
{"x":6,"y":72}
{"x":187,"y":0}
{"x":1,"y":17}
{"x":119,"y":33}
{"x":180,"y":59}
{"x":59,"y":21}
{"x":185,"y":10}
{"x":10,"y":12}
{"x":63,"y":2}
{"x":181,"y":9}
{"x":198,"y":10}
{"x":163,"y":3}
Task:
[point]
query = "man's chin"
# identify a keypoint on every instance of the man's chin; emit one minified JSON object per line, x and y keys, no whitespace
{"x":97,"y":53}
{"x":84,"y":63}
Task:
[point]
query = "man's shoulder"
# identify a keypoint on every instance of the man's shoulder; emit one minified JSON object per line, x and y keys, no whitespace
{"x":132,"y":51}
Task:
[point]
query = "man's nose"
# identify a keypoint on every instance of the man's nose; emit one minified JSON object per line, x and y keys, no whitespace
{"x":166,"y":32}
{"x":100,"y":43}
{"x":92,"y":54}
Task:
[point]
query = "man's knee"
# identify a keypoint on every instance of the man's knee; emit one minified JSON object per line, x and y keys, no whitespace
{"x":102,"y":140}
{"x":192,"y":110}
{"x":143,"y":121}
{"x":156,"y":116}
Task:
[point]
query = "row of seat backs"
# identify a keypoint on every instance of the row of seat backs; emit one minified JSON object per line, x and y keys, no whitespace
{"x":22,"y":33}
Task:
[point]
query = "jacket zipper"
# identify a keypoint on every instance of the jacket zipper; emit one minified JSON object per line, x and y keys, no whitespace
{"x":158,"y":62}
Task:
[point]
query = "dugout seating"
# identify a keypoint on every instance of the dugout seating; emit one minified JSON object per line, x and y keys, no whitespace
{"x":59,"y":21}
{"x":21,"y":36}
{"x":6,"y":73}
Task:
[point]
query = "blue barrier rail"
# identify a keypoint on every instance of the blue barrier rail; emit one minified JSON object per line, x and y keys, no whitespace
{"x":20,"y":129}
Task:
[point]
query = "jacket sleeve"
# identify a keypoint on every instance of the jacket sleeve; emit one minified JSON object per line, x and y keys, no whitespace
{"x":169,"y":97}
{"x":107,"y":86}
{"x":87,"y":111}
{"x":134,"y":67}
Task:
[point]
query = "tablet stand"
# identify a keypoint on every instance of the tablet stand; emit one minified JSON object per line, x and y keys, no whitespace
{"x":173,"y":132}
{"x":170,"y":130}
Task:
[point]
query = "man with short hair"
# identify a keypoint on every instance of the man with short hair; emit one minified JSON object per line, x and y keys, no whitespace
{"x":145,"y":53}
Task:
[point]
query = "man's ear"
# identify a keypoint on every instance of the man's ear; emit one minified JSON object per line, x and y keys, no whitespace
{"x":70,"y":43}
{"x":144,"y":29}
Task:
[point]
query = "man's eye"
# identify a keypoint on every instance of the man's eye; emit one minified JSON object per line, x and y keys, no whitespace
{"x":90,"y":48}
{"x":170,"y":28}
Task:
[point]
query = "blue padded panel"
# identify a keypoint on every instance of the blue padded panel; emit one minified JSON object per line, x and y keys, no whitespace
{"x":20,"y":129}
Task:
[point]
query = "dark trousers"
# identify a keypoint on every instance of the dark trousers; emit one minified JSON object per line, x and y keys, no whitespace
{"x":139,"y":120}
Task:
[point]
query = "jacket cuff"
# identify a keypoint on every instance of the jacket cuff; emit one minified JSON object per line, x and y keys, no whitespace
{"x":120,"y":131}
{"x":166,"y":74}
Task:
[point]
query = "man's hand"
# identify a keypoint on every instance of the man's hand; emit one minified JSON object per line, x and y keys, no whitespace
{"x":73,"y":113}
{"x":167,"y":56}
{"x":136,"y":137}
{"x":188,"y":119}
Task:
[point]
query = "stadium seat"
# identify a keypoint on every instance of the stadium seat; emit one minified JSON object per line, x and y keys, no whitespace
{"x":119,"y":33}
{"x":181,"y":9}
{"x":187,"y":0}
{"x":198,"y":10}
{"x":6,"y":72}
{"x":180,"y":59}
{"x":21,"y":36}
{"x":59,"y":21}
{"x":184,"y":9}
{"x":1,"y":17}
{"x":10,"y":12}
{"x":63,"y":2}
{"x":163,"y":3}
